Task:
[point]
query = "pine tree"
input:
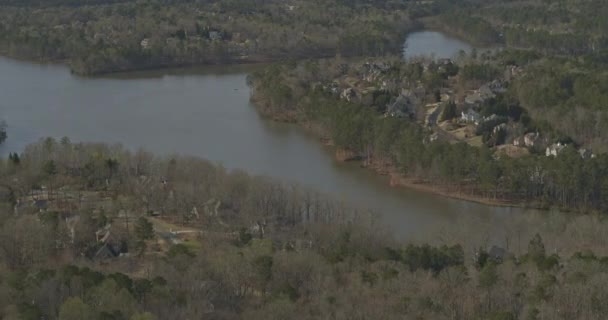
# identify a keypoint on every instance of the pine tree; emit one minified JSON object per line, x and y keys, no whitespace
{"x":144,"y":230}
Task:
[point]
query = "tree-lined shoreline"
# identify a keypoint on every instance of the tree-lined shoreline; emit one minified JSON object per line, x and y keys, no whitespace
{"x":118,"y":37}
{"x":309,"y":93}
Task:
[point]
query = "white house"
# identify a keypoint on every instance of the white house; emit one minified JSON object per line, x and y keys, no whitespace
{"x":470,"y":116}
{"x":554,"y":149}
{"x":145,"y":43}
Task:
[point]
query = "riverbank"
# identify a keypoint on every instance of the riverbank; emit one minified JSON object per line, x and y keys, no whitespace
{"x":82,"y":67}
{"x":387,"y":169}
{"x":232,"y":61}
{"x":361,"y":134}
{"x":396,"y":179}
{"x":228,"y":61}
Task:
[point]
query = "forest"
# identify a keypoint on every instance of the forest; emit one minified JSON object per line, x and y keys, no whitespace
{"x":102,"y":36}
{"x":266,"y":251}
{"x":105,"y":232}
{"x":562,"y":27}
{"x":98,"y":36}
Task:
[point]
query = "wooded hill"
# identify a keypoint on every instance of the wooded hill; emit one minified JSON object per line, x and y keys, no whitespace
{"x":98,"y":37}
{"x":268,"y":251}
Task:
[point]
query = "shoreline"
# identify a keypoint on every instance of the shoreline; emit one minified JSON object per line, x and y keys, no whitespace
{"x":230,"y":61}
{"x":254,"y":59}
{"x":395,"y":179}
{"x":398,"y":180}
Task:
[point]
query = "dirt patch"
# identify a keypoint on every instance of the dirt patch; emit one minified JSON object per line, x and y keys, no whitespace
{"x":512,"y":151}
{"x":456,"y":192}
{"x":344,"y":155}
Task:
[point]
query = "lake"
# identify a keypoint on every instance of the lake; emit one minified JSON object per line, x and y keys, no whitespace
{"x":436,"y":44}
{"x":205,"y":112}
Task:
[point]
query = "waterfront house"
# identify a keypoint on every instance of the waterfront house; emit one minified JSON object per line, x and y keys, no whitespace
{"x":470,"y":116}
{"x":554,"y":149}
{"x":215,"y":35}
{"x":105,"y":252}
{"x":145,"y":43}
{"x":404,"y":106}
{"x":530,"y":139}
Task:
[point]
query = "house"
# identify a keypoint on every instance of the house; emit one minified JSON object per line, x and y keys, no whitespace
{"x":41,"y":205}
{"x":105,"y":252}
{"x":497,"y":254}
{"x":372,"y":71}
{"x":500,"y":127}
{"x":530,"y":139}
{"x":473,"y":98}
{"x":444,"y":65}
{"x":519,"y":141}
{"x":348,"y":94}
{"x":333,"y":88}
{"x":258,"y":228}
{"x":432,"y":115}
{"x":444,"y":61}
{"x":103,"y":234}
{"x":491,"y":117}
{"x":389,"y":85}
{"x":497,"y":86}
{"x":172,"y":41}
{"x":145,"y":44}
{"x":470,"y":116}
{"x":212,"y":206}
{"x":445,"y":97}
{"x":194,"y":212}
{"x":512,"y":72}
{"x":215,"y":35}
{"x":485,"y":92}
{"x":71,"y":222}
{"x":554,"y":149}
{"x":586,"y":153}
{"x":404,"y":106}
{"x":170,"y":237}
{"x":431,"y":138}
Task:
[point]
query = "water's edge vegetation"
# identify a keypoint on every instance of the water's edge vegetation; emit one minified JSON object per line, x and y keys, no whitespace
{"x":298,"y":92}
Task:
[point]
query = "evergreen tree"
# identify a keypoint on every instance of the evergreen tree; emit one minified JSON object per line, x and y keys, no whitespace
{"x":144,"y":230}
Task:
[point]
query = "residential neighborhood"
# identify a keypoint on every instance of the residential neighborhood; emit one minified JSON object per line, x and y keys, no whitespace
{"x":378,"y":85}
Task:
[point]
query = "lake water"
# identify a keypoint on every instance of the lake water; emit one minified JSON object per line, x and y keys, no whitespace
{"x":204,"y":112}
{"x":436,"y":44}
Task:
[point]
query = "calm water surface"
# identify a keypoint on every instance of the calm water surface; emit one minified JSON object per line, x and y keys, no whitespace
{"x":436,"y":44}
{"x":203,"y":112}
